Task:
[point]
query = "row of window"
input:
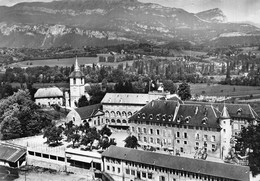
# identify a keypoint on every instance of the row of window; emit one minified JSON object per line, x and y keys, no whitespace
{"x":166,"y":133}
{"x":118,"y":121}
{"x":113,"y":169}
{"x":174,"y":125}
{"x":52,"y":157}
{"x":150,"y":168}
{"x":118,"y":114}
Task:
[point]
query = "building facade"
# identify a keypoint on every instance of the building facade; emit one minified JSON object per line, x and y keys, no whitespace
{"x":124,"y":164}
{"x":118,"y":107}
{"x":186,"y":128}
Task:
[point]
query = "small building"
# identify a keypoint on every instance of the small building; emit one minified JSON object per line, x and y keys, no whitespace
{"x":45,"y":97}
{"x":92,"y":114}
{"x":11,"y":154}
{"x":131,"y":164}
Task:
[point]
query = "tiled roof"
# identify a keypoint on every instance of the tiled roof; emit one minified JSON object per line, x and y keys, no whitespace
{"x":130,"y":98}
{"x":48,"y":92}
{"x":197,"y":115}
{"x":233,"y":109}
{"x":88,"y":111}
{"x":230,"y":171}
{"x":10,"y":152}
{"x":169,"y":111}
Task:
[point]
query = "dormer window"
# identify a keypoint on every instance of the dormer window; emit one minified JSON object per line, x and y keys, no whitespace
{"x":143,"y":115}
{"x":187,"y":119}
{"x":169,"y":117}
{"x":239,"y":111}
{"x":163,"y":117}
{"x":178,"y":120}
{"x":158,"y":117}
{"x":138,"y":115}
{"x":205,"y":120}
{"x":150,"y":116}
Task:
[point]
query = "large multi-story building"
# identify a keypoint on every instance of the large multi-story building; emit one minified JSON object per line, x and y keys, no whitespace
{"x":118,"y":107}
{"x":125,"y":164}
{"x":187,"y":128}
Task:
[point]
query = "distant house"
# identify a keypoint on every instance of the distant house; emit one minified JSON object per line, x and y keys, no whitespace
{"x":45,"y":97}
{"x":110,"y":57}
{"x":92,"y":114}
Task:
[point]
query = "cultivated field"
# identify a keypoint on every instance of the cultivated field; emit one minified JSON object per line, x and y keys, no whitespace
{"x":224,"y":90}
{"x":64,"y":62}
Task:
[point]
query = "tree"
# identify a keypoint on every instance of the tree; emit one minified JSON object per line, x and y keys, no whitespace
{"x":169,"y":86}
{"x":184,"y":91}
{"x":19,"y":116}
{"x":131,"y":142}
{"x":105,"y":131}
{"x":248,"y":145}
{"x":53,"y":135}
{"x":83,"y":101}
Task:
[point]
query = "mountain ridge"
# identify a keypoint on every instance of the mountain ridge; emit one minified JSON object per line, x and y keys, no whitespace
{"x":108,"y":21}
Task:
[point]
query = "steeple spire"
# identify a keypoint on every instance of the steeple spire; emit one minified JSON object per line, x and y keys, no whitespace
{"x":224,"y":113}
{"x":76,"y":67}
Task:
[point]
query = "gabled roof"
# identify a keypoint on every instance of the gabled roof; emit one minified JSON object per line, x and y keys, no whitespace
{"x":168,"y":111}
{"x":89,"y":111}
{"x":230,"y":171}
{"x":11,"y":153}
{"x":131,"y":98}
{"x":48,"y":93}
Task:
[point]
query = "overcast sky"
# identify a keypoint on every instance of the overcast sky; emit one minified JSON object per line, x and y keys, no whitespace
{"x":235,"y":10}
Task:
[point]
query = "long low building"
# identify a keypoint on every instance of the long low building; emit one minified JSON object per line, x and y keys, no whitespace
{"x":131,"y":164}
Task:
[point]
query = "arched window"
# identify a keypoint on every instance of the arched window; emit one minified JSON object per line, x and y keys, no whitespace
{"x":124,"y":121}
{"x":129,"y":114}
{"x":107,"y":114}
{"x":74,"y":80}
{"x":124,"y":114}
{"x":178,"y":120}
{"x":113,"y":114}
{"x":118,"y":114}
{"x":113,"y":121}
{"x":150,"y":116}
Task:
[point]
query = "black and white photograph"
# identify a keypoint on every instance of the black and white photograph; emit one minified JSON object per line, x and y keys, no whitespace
{"x":129,"y":90}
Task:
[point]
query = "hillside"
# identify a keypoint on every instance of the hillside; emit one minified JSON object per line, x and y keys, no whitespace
{"x":106,"y":22}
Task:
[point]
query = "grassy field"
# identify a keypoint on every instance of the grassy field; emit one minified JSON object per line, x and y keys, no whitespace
{"x":224,"y":90}
{"x":64,"y":62}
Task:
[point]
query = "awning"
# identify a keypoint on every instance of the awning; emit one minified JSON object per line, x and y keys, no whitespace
{"x":81,"y":158}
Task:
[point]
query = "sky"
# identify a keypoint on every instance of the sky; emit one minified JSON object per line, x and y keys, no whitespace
{"x":235,"y":10}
